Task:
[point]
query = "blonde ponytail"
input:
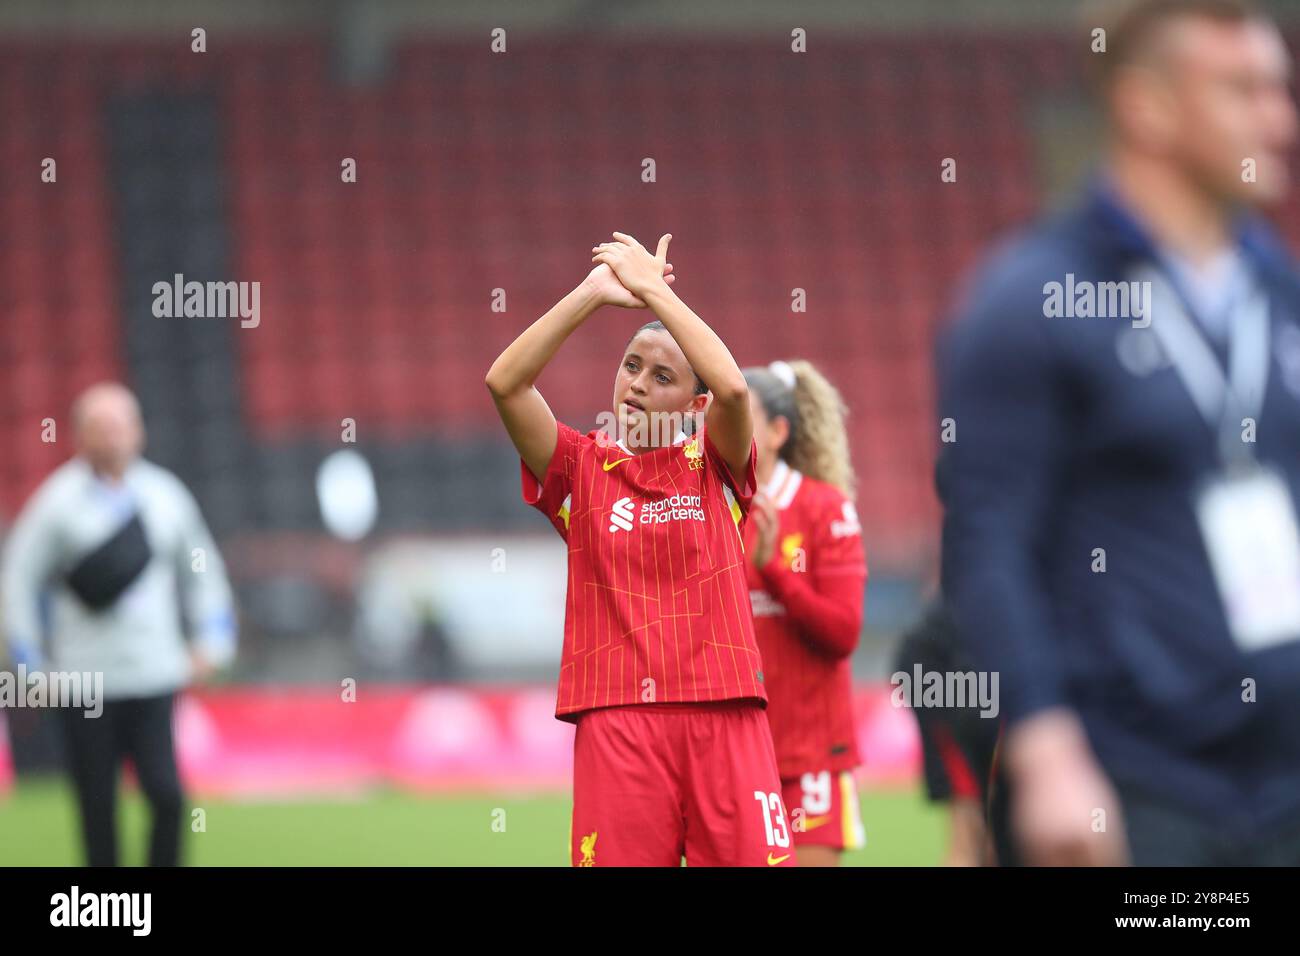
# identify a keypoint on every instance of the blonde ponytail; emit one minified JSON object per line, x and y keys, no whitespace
{"x":820,"y":445}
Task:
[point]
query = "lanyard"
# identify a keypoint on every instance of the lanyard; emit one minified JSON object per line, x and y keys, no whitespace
{"x":1223,"y":401}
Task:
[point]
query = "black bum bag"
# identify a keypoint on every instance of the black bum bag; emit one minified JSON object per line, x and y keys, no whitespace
{"x":100,"y":577}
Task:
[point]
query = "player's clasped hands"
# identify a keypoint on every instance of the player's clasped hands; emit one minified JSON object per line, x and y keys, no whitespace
{"x":626,"y":271}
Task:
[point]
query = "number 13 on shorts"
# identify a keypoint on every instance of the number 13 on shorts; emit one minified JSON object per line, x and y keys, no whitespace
{"x":778,"y":835}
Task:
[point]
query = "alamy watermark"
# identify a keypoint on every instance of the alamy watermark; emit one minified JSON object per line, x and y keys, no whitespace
{"x":81,"y":690}
{"x":944,"y":689}
{"x":650,"y":429}
{"x":1082,"y":299}
{"x":208,"y":300}
{"x":133,"y":911}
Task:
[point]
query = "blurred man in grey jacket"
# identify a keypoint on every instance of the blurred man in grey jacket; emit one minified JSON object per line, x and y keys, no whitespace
{"x":119,"y":548}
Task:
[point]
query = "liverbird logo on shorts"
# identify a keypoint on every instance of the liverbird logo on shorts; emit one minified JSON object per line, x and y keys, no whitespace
{"x":588,"y":847}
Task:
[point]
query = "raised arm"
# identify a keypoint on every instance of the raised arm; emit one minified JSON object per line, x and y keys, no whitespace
{"x":643,"y":274}
{"x":524,"y":412}
{"x":526,"y":415}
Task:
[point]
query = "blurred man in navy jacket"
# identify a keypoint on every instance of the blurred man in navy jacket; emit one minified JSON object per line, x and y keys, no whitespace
{"x":1120,"y":539}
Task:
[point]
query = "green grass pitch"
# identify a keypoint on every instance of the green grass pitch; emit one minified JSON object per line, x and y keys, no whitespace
{"x":38,"y":820}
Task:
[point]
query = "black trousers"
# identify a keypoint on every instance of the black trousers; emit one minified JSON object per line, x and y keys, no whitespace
{"x":141,"y":729}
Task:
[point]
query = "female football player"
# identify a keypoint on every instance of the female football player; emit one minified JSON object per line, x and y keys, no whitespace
{"x":807,"y":576}
{"x":659,"y":669}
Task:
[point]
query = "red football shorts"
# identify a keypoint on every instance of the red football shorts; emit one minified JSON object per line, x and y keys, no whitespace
{"x":655,"y":782}
{"x":824,"y":810}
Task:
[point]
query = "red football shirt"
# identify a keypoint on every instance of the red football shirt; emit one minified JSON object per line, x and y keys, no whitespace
{"x":807,"y":604}
{"x":658,"y":606}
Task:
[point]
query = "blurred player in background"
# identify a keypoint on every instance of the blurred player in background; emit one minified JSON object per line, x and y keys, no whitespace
{"x":807,"y":579}
{"x":1120,"y":537}
{"x":958,"y":750}
{"x":113,"y":539}
{"x":660,"y":670}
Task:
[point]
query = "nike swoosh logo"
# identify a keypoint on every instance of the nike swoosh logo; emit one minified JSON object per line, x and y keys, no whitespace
{"x":779,"y":859}
{"x":610,"y":464}
{"x":812,"y":823}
